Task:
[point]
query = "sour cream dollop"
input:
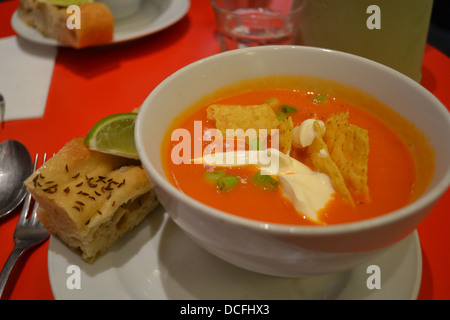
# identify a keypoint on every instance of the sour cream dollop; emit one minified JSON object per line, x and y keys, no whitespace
{"x":308,"y":191}
{"x":304,"y":134}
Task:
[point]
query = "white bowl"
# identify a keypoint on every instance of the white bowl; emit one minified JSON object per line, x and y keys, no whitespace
{"x":285,"y":250}
{"x":122,"y":9}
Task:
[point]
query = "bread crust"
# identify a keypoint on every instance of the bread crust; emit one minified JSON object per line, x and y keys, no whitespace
{"x":97,"y":22}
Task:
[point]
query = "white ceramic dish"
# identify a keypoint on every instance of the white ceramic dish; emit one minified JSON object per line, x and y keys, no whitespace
{"x":122,"y":9}
{"x":154,"y":16}
{"x":282,"y":249}
{"x":157,"y":261}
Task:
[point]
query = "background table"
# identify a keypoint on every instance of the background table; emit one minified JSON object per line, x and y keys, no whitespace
{"x":92,"y":83}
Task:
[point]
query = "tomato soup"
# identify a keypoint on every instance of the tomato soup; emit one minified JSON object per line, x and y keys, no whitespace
{"x":392,"y":174}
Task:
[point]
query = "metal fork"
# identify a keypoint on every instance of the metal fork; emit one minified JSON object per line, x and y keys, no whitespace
{"x":29,"y":233}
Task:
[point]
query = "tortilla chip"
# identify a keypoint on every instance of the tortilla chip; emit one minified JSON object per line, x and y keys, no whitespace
{"x":319,"y":154}
{"x":252,"y":117}
{"x":340,"y":116}
{"x":243,"y":117}
{"x":348,"y":145}
{"x":285,"y":140}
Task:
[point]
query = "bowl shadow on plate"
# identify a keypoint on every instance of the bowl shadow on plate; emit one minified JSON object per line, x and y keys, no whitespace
{"x":190,"y":272}
{"x":193,"y":273}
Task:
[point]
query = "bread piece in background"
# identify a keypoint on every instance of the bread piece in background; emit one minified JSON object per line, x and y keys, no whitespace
{"x":97,"y":22}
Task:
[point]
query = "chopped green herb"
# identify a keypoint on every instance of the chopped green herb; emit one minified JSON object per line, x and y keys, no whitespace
{"x":213,"y":176}
{"x":281,"y":116}
{"x":227,"y":183}
{"x":287,"y":109}
{"x":255,"y":144}
{"x":320,"y":99}
{"x":265,"y":181}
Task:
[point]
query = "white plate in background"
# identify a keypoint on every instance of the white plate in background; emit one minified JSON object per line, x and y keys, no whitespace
{"x":154,"y":16}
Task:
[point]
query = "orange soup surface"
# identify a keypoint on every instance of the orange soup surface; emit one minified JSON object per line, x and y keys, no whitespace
{"x":391,"y":168}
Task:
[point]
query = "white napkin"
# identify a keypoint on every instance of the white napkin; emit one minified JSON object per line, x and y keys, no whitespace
{"x":26,"y":72}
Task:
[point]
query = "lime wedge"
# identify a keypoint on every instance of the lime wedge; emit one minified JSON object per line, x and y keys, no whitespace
{"x":66,"y":3}
{"x":114,"y":135}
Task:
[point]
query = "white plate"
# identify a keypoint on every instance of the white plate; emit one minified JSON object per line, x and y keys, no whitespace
{"x":154,"y":16}
{"x":157,"y":261}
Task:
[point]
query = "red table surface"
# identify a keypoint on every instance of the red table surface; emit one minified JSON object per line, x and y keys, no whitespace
{"x":92,"y":83}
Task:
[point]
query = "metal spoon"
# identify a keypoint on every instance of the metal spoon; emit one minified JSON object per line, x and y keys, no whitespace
{"x":15,"y":167}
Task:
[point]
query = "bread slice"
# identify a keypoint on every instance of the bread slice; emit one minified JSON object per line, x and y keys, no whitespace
{"x":97,"y":22}
{"x":90,"y":199}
